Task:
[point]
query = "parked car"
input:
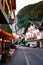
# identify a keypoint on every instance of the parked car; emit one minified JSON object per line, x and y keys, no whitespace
{"x":33,"y":46}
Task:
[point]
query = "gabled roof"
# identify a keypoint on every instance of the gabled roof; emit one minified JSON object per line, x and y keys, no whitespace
{"x":38,"y":24}
{"x":26,"y":27}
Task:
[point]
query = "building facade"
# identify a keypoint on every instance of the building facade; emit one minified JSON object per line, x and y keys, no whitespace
{"x":34,"y":33}
{"x":6,"y":8}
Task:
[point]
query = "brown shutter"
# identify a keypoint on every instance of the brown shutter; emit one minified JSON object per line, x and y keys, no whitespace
{"x":13,"y":3}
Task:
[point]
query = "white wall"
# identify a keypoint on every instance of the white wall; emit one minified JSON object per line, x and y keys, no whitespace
{"x":20,"y":31}
{"x":33,"y":33}
{"x":42,"y":34}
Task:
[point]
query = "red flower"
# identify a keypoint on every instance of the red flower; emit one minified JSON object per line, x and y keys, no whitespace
{"x":10,"y":54}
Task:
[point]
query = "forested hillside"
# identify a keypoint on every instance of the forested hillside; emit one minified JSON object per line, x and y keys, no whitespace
{"x":32,"y":12}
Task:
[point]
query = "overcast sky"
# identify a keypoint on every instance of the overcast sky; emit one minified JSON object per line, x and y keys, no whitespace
{"x":21,"y":3}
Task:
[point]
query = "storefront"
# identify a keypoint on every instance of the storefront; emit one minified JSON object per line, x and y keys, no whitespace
{"x":5,"y":41}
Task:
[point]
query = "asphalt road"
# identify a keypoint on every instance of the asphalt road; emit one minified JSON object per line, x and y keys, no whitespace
{"x":26,"y":56}
{"x":34,"y":56}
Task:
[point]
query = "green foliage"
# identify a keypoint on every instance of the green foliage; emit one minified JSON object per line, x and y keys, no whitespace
{"x":6,"y":52}
{"x":16,"y":42}
{"x":33,"y":12}
{"x":6,"y":28}
{"x":23,"y":41}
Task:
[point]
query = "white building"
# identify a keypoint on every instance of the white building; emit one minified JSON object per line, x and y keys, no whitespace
{"x":20,"y":31}
{"x":34,"y":31}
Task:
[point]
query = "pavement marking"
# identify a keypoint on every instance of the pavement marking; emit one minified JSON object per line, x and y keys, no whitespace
{"x":27,"y":61}
{"x":38,"y":56}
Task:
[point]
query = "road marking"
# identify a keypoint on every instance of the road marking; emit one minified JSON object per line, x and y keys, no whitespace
{"x":27,"y":61}
{"x":37,"y":55}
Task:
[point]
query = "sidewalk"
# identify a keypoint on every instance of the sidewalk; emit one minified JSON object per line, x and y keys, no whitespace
{"x":10,"y":61}
{"x":17,"y":59}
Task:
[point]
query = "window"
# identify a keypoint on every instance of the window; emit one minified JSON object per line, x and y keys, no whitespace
{"x":6,"y":9}
{"x":9,"y":4}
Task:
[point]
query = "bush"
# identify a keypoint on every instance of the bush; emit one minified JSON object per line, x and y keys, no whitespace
{"x":23,"y":41}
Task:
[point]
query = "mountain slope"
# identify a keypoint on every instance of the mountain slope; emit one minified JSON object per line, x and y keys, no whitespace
{"x":33,"y":12}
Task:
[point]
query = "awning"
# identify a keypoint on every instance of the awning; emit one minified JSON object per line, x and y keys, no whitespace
{"x":6,"y":34}
{"x":3,"y":18}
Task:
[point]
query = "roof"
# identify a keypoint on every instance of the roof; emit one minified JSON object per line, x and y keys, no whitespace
{"x":38,"y":24}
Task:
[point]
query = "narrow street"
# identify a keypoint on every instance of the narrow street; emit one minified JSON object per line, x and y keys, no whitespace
{"x":21,"y":32}
{"x":26,"y":56}
{"x":34,"y":56}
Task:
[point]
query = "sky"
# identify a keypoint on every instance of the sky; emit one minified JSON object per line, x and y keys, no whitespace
{"x":21,"y":3}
